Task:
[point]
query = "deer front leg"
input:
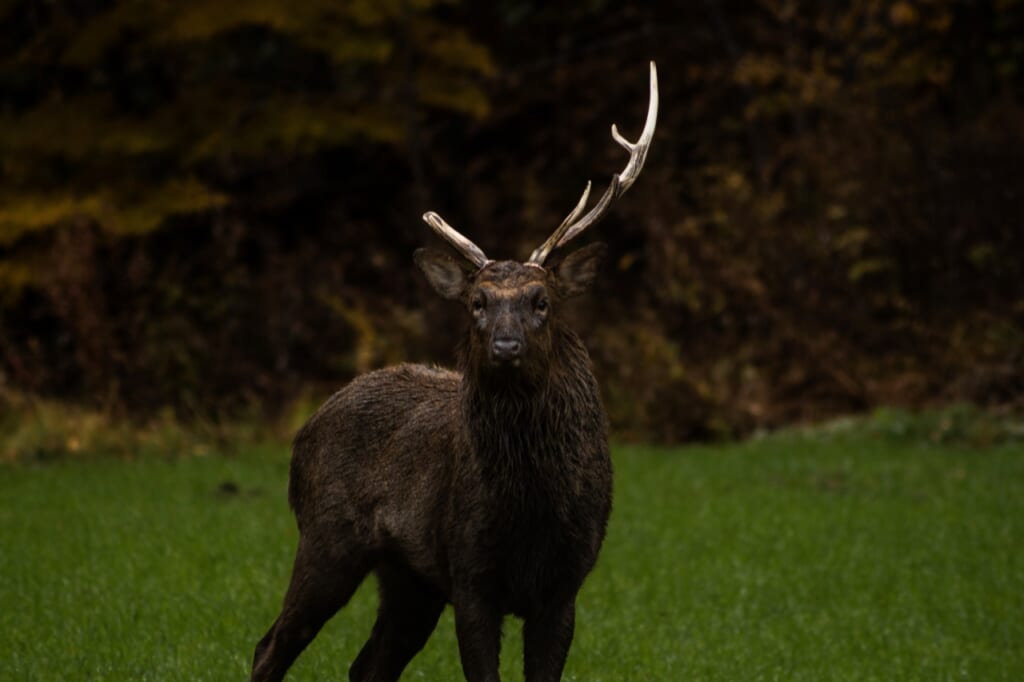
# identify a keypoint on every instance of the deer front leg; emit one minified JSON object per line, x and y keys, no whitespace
{"x":478,"y":629}
{"x":547,"y":636}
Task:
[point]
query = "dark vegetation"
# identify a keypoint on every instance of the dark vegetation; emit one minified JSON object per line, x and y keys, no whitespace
{"x":213,"y":206}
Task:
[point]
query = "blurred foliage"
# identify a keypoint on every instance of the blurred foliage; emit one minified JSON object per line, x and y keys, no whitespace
{"x":957,"y":425}
{"x":36,"y":430}
{"x":962,"y":425}
{"x":211,"y":207}
{"x":125,"y":114}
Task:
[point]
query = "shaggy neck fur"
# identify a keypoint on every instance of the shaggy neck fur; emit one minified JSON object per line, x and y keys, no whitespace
{"x":534,"y":420}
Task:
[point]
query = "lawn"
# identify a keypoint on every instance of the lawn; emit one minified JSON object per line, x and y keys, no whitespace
{"x":832,"y":555}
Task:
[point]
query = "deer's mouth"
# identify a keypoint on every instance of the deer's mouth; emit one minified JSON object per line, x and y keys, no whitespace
{"x":506,"y":362}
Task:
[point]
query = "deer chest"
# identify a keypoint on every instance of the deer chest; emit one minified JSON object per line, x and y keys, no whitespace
{"x":530,"y":548}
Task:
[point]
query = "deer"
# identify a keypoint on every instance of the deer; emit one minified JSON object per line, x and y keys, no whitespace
{"x":488,"y":488}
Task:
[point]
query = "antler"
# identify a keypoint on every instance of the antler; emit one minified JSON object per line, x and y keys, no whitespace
{"x":573,"y":225}
{"x":468,"y":249}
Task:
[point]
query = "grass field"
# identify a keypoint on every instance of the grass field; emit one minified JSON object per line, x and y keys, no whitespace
{"x":837,"y":555}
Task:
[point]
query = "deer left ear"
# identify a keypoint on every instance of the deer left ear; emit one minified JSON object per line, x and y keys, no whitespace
{"x":577,"y":272}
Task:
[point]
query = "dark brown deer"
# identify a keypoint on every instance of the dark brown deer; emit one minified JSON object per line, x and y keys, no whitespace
{"x":488,"y":488}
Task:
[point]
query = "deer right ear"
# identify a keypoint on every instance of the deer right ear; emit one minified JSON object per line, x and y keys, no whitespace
{"x":579,"y":269}
{"x":444,"y":273}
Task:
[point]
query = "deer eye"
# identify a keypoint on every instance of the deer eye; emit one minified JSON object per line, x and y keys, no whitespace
{"x":478,"y":305}
{"x":541,"y":306}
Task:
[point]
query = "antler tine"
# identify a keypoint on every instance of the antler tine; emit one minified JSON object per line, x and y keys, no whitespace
{"x":638,"y":150}
{"x":466,"y":248}
{"x":540,"y":254}
{"x":571,"y":227}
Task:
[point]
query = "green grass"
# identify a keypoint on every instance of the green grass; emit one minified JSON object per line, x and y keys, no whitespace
{"x":843,"y":555}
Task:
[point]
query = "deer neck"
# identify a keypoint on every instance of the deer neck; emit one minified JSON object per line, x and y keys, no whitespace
{"x":519,"y":419}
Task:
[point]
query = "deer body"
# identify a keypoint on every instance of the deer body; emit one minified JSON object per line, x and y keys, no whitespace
{"x":428,"y":487}
{"x":488,"y":489}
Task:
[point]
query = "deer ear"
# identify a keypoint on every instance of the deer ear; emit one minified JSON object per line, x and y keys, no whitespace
{"x":577,"y":272}
{"x":444,"y":274}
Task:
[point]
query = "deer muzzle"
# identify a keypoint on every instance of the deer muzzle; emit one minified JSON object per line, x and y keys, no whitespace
{"x":506,"y":349}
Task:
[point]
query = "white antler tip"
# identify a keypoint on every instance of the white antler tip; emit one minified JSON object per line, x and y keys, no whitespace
{"x":617,"y":136}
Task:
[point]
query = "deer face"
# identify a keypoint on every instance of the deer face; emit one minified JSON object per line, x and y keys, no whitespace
{"x":511,"y":305}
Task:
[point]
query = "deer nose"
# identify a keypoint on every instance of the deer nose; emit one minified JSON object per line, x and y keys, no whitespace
{"x":506,"y":349}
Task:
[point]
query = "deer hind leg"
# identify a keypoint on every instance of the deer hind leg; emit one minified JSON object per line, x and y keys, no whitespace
{"x":323,"y":580}
{"x":407,"y":614}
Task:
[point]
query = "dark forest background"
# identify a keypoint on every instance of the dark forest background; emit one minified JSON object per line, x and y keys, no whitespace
{"x":212,"y":206}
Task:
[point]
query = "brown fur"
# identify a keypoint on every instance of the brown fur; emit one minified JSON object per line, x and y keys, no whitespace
{"x":487,"y":488}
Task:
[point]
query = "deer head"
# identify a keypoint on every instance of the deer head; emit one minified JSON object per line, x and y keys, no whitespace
{"x":513,"y":304}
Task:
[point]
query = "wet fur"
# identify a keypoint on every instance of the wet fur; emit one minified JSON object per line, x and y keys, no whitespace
{"x":488,"y":488}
